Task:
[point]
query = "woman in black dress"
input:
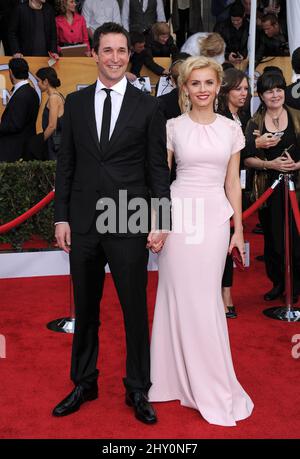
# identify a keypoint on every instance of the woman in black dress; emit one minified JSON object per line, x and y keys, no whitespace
{"x":273,"y":129}
{"x":233,"y":102}
{"x":53,"y":111}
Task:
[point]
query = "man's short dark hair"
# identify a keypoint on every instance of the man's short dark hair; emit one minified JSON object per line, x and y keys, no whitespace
{"x":270,"y":17}
{"x":296,"y":60}
{"x":19,"y":68}
{"x":105,"y":29}
{"x":137,"y":37}
{"x":237,"y":10}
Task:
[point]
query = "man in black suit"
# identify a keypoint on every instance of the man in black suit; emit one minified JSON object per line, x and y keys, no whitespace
{"x":131,"y":156}
{"x":292,"y":92}
{"x":18,"y":122}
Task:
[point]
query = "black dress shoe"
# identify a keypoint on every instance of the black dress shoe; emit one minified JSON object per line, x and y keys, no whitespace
{"x":274,"y":293}
{"x":74,"y":400}
{"x":143,"y":410}
{"x":231,"y":314}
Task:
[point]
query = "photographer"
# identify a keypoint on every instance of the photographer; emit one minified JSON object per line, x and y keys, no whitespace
{"x":273,"y":40}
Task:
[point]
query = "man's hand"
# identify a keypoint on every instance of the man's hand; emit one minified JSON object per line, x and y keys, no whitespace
{"x":156,"y":240}
{"x":18,"y":55}
{"x":63,"y":236}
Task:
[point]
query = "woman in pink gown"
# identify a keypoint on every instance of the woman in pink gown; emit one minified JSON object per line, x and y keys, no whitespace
{"x":190,"y":351}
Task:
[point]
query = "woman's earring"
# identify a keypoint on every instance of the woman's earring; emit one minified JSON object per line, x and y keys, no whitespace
{"x":187,"y":102}
{"x":216,"y":103}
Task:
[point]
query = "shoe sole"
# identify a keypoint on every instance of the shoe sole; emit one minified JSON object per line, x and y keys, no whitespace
{"x":88,"y":399}
{"x":129,"y":403}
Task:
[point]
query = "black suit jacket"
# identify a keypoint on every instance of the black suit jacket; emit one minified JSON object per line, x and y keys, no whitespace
{"x":169,"y":104}
{"x":135,"y":159}
{"x":22,"y":25}
{"x":18,"y":123}
{"x":292,"y":95}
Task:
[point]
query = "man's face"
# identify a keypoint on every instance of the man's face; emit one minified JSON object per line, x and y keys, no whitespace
{"x":236,"y":21}
{"x":112,"y":58}
{"x":271,"y":30}
{"x":138,"y":47}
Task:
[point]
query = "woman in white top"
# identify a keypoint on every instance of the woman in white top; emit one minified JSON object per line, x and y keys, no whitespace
{"x":205,"y":44}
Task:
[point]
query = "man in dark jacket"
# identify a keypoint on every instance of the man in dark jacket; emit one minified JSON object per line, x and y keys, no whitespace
{"x":141,"y":55}
{"x":235,"y":33}
{"x":19,"y":117}
{"x":273,"y":40}
{"x":32,"y":29}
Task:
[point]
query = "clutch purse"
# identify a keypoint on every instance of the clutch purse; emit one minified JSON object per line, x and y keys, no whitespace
{"x":237,"y":259}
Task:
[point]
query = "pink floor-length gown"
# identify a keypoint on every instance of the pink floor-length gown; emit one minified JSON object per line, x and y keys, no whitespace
{"x":190,"y":351}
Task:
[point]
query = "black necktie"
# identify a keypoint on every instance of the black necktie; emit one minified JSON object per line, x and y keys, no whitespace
{"x":106,"y":115}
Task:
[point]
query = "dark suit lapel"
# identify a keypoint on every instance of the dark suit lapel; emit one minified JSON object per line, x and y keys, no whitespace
{"x":91,"y":118}
{"x":130,"y":101}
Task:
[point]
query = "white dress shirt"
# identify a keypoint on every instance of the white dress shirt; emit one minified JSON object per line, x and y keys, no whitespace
{"x":159,"y":11}
{"x":96,"y":12}
{"x":117,"y":96}
{"x":19,"y":85}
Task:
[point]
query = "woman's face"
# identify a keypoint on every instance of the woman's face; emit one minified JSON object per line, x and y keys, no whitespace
{"x":202,"y":87}
{"x":71,"y":5}
{"x":238,"y":96}
{"x":163,"y":38}
{"x":273,"y":98}
{"x":42,"y":84}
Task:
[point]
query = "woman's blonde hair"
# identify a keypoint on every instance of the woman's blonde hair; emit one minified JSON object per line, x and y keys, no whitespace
{"x":186,"y":68}
{"x":160,"y":28}
{"x":212,"y":45}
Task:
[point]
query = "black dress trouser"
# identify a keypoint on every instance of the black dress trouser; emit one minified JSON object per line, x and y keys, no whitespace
{"x":127,"y":259}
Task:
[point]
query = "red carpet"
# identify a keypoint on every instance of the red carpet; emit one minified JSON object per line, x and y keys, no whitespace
{"x":35,"y":374}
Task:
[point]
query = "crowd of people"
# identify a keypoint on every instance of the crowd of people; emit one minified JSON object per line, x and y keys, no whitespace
{"x":37,"y":27}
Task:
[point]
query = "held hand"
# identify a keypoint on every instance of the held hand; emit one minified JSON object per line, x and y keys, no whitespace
{"x":156,"y":240}
{"x":63,"y":236}
{"x":266,"y":141}
{"x":237,"y":240}
{"x":18,"y":55}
